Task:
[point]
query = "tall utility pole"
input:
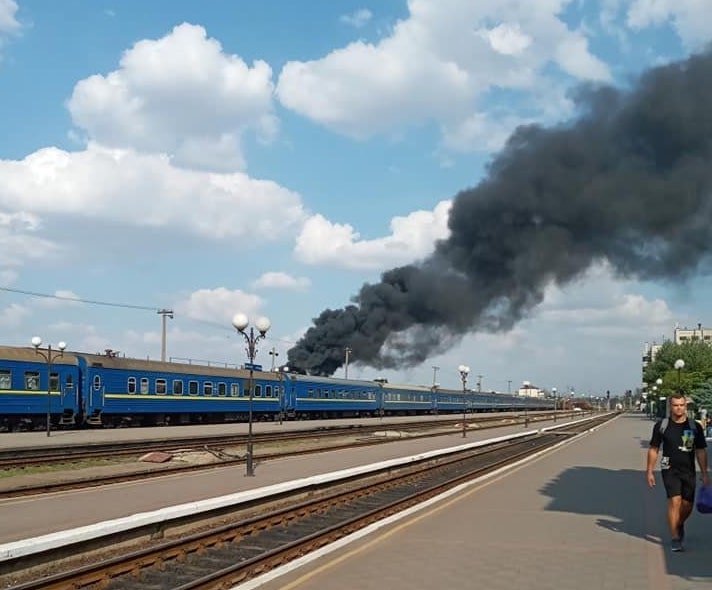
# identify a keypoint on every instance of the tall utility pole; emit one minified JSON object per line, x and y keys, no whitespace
{"x":435,"y":375}
{"x":164,"y":313}
{"x":274,"y":354}
{"x":509,"y":386}
{"x":479,"y":383}
{"x":347,"y":351}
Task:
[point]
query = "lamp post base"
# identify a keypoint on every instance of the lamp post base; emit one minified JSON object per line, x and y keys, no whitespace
{"x":250,"y":468}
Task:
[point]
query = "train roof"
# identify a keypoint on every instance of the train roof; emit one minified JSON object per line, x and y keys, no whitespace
{"x":400,"y":387}
{"x":216,"y":370}
{"x":333,"y":380}
{"x":29,"y":354}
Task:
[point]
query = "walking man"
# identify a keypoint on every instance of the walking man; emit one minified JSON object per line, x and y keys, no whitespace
{"x":683,"y":441}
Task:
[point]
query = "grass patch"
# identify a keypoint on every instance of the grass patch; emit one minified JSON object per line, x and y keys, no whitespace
{"x":66,"y":467}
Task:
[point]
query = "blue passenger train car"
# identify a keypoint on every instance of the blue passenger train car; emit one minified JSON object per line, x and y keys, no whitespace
{"x":326,"y":397}
{"x":29,"y":391}
{"x":121,"y":391}
{"x":79,"y":389}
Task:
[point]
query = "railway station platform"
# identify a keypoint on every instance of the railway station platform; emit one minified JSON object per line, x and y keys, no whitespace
{"x":580,"y":517}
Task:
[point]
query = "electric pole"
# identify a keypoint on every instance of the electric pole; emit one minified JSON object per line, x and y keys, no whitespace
{"x":274,"y":354}
{"x":347,"y":350}
{"x":163,"y":313}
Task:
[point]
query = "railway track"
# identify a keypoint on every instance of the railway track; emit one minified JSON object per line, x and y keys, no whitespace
{"x":22,"y":457}
{"x":220,"y":447}
{"x":264,"y":536}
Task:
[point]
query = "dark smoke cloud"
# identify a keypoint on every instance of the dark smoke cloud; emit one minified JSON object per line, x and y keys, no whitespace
{"x":627,"y":182}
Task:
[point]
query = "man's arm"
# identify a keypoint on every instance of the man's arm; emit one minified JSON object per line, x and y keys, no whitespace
{"x":701,"y":455}
{"x":652,"y":458}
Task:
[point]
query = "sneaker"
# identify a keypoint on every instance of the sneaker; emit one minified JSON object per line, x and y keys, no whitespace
{"x":681,"y":532}
{"x":676,"y":545}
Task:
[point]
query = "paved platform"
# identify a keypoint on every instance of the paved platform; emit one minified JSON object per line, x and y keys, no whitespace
{"x":32,"y":516}
{"x":581,"y":517}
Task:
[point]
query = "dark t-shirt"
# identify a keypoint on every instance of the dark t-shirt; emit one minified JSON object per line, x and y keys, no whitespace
{"x":677,"y":443}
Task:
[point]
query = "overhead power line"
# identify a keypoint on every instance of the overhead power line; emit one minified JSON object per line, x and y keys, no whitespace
{"x":78,"y":300}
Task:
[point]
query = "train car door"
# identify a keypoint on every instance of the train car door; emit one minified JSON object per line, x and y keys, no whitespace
{"x":288,"y":398}
{"x":92,"y":396}
{"x":70,"y":398}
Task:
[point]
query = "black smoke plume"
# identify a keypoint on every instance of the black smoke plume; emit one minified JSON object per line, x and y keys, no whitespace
{"x":627,"y":182}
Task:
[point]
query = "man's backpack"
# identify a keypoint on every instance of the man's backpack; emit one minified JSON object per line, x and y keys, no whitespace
{"x":693,"y":426}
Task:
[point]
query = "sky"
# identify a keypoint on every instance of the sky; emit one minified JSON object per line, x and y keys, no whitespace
{"x":271,"y":158}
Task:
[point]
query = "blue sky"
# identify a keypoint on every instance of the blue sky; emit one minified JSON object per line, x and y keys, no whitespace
{"x":271,"y":157}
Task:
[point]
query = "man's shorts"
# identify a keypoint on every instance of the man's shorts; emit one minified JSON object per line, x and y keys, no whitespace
{"x":679,"y":483}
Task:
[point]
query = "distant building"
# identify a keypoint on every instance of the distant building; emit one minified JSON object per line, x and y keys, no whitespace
{"x":682,"y":335}
{"x":529,"y":390}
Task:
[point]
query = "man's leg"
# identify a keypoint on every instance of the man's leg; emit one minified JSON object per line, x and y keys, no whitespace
{"x":674,"y":513}
{"x":685,"y":511}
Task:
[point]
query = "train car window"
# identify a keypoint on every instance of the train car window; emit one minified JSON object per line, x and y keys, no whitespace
{"x":222,"y":389}
{"x":69,"y":382}
{"x":208,"y":388}
{"x":268,"y":391}
{"x":32,"y":380}
{"x":161,"y":386}
{"x":235,"y":389}
{"x":54,"y":381}
{"x":131,"y":385}
{"x":177,"y":387}
{"x":97,"y":383}
{"x":258,"y":390}
{"x":192,"y":388}
{"x":310,"y":392}
{"x":5,"y":379}
{"x":144,"y":385}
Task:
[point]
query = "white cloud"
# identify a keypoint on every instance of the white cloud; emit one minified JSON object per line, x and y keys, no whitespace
{"x":435,"y":66}
{"x":180,"y":95}
{"x":338,"y":245}
{"x":690,"y":18}
{"x":506,"y":39}
{"x":13,"y":315}
{"x":218,"y":305}
{"x":61,"y":298}
{"x":146,"y":190}
{"x":19,"y":240}
{"x":8,"y":21}
{"x":281,"y":280}
{"x":575,"y":59}
{"x":7,"y":277}
{"x":357,"y":18}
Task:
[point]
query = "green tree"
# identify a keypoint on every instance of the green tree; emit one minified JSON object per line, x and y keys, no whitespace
{"x":703,"y":395}
{"x":698,"y":366}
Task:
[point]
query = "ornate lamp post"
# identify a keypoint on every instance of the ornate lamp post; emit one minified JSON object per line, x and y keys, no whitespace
{"x":679,"y":365}
{"x":656,"y":387}
{"x":525,"y":386}
{"x":464,"y":372}
{"x":240,"y":321}
{"x":556,"y":401}
{"x":50,"y":356}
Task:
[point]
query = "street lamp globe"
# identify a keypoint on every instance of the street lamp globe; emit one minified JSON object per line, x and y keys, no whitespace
{"x":240,"y":321}
{"x":36,"y":341}
{"x":62,"y":345}
{"x":263,"y":324}
{"x":679,"y":364}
